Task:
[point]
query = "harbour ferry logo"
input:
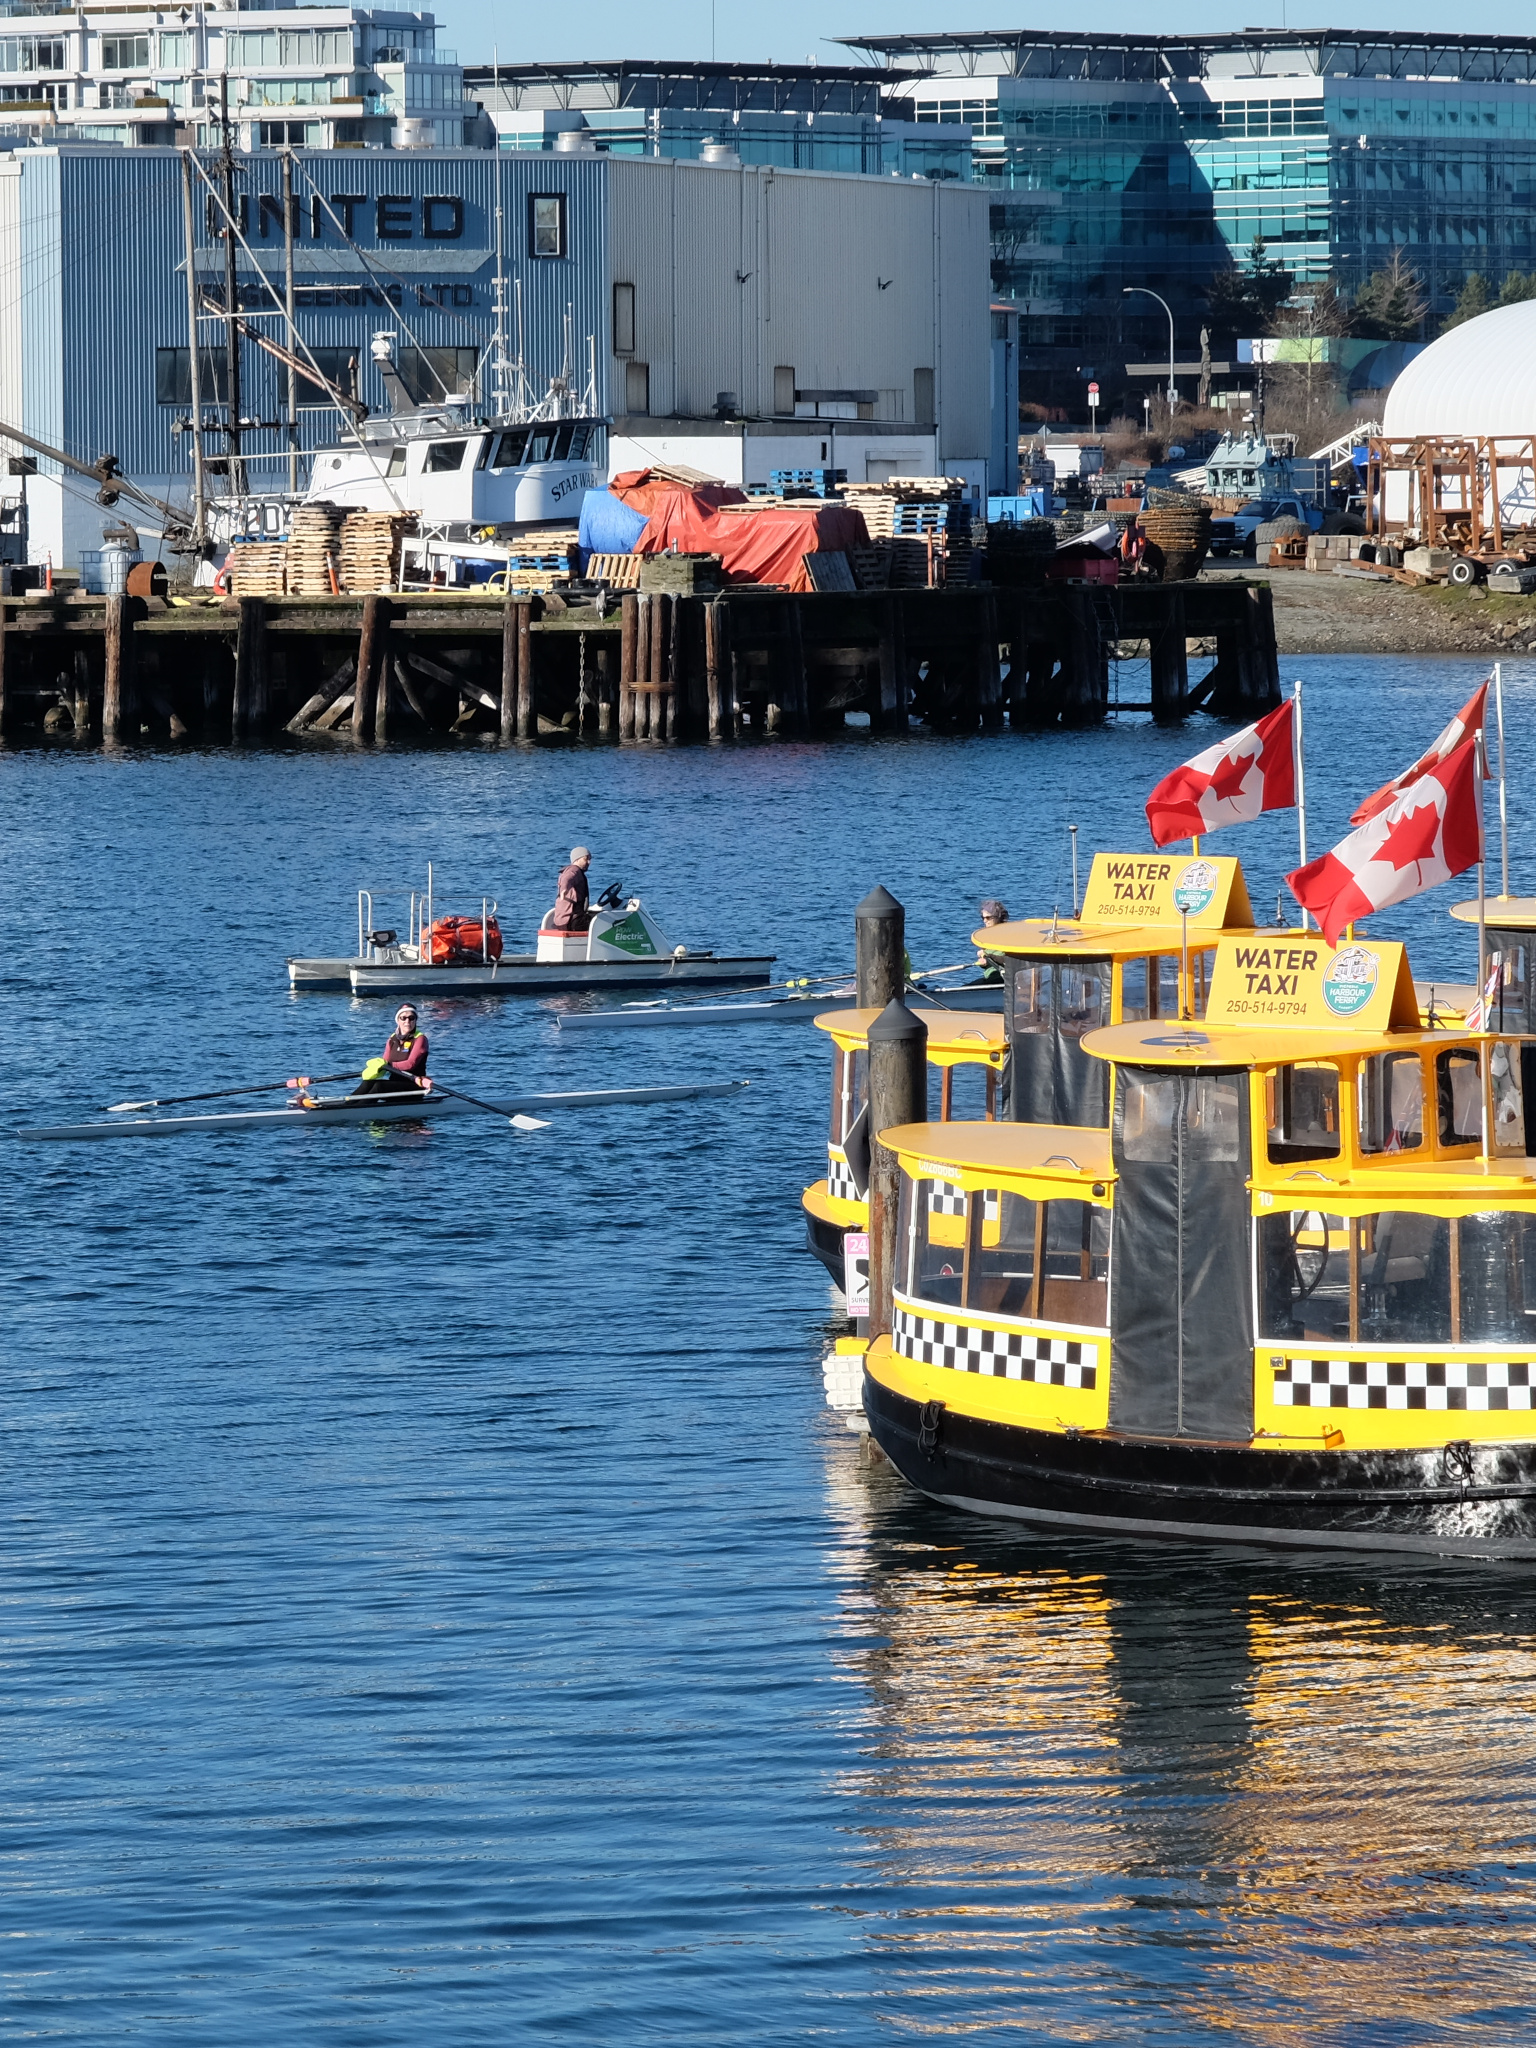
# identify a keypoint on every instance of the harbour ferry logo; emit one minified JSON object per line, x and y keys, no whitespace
{"x":1195,"y":887}
{"x":1350,"y":981}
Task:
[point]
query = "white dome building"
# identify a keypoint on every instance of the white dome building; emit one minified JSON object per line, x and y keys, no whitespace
{"x":1478,"y":379}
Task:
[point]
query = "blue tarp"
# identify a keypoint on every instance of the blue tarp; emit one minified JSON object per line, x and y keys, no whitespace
{"x":607,"y":526}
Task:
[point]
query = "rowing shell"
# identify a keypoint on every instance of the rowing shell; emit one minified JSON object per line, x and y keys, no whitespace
{"x":378,"y":1109}
{"x":976,"y":995}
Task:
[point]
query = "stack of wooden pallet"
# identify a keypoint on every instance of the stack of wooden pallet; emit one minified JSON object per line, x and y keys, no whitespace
{"x":619,"y":572}
{"x":258,"y":568}
{"x":370,"y":549}
{"x":906,"y":511}
{"x":314,"y":543}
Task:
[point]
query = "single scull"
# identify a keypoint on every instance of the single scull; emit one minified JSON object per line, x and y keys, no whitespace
{"x":376,"y":1109}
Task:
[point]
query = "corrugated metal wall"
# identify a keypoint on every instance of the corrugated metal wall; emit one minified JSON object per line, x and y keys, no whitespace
{"x":853,"y":282}
{"x":101,"y":285}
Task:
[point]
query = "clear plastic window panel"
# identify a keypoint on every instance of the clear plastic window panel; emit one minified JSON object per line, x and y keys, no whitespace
{"x":1391,"y":1087}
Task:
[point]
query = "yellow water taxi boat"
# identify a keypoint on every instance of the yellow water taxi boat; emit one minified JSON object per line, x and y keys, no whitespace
{"x":1289,"y":1295}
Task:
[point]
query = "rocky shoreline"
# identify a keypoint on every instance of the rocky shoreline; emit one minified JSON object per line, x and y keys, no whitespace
{"x":1348,"y":615}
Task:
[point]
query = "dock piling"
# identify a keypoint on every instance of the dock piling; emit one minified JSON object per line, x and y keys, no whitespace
{"x":629,"y":640}
{"x":714,"y":710}
{"x":898,"y":1094}
{"x":248,"y":714}
{"x":117,"y":681}
{"x":893,"y":667}
{"x":509,"y":621}
{"x":526,"y":717}
{"x":879,"y":949}
{"x":1169,"y":663}
{"x":370,"y":662}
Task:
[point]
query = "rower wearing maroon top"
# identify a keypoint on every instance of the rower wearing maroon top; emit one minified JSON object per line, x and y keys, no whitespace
{"x":403,"y":1063}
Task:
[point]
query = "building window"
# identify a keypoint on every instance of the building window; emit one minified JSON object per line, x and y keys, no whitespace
{"x":922,"y":397}
{"x":289,"y":135}
{"x":173,"y":376}
{"x":637,"y":387}
{"x":27,"y":53}
{"x":338,"y":366}
{"x":432,"y":374}
{"x":124,"y":53}
{"x":784,"y":390}
{"x":623,"y":319}
{"x":546,"y":224}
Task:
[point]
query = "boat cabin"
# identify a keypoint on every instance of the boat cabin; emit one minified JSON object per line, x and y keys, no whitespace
{"x":456,"y":471}
{"x":1140,"y":951}
{"x":966,"y":1049}
{"x":1511,"y":925}
{"x":1308,"y":1233}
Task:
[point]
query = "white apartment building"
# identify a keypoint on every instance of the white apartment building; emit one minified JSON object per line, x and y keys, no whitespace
{"x":313,"y":78}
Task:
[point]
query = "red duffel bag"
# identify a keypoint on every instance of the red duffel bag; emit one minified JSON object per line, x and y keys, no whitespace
{"x":461,"y":942}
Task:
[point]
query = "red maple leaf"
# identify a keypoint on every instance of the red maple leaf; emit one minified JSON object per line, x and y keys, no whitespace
{"x":1229,"y":775}
{"x":1414,"y":837}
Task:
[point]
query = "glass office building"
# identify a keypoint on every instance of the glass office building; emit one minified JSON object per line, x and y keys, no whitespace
{"x":1157,"y":161}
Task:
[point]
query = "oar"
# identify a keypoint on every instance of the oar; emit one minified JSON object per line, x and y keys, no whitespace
{"x":217,"y":1094}
{"x":521,"y":1123}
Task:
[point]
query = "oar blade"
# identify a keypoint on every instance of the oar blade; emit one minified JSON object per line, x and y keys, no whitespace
{"x":528,"y":1123}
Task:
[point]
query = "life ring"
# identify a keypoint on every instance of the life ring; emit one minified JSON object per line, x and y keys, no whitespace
{"x":221,"y":582}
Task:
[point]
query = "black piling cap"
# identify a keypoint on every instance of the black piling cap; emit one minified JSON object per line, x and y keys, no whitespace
{"x":879,"y":903}
{"x":897,"y":1025}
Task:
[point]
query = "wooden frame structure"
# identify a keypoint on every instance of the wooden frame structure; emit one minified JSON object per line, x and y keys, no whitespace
{"x":1455,"y":493}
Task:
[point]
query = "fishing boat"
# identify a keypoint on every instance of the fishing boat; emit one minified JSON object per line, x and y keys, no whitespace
{"x":410,"y":1106}
{"x":963,"y":1045}
{"x":435,"y":952}
{"x":1287,"y":1296}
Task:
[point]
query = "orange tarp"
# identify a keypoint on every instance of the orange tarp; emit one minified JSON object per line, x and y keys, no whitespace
{"x":640,"y":489}
{"x":754,"y":547}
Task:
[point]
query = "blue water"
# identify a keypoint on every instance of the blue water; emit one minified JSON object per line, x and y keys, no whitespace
{"x":437,"y":1605}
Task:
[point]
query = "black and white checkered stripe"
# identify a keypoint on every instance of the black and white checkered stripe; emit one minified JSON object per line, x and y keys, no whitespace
{"x":841,"y":1185}
{"x":1005,"y":1354}
{"x":1454,"y":1384}
{"x":948,"y":1200}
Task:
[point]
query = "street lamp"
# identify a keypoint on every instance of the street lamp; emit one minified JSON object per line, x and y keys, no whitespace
{"x":1125,"y":293}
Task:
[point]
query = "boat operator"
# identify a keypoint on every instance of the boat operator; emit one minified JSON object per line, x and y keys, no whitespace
{"x":991,"y":964}
{"x":570,"y":913}
{"x":403,"y":1063}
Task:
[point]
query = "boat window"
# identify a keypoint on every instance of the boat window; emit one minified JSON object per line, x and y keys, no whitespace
{"x":509,"y":450}
{"x":1001,"y":1254}
{"x":1458,"y":1097}
{"x":1381,"y":1279}
{"x":581,"y":439}
{"x":396,"y":466}
{"x":931,"y":1234}
{"x":1028,"y":997}
{"x":1510,"y":1005}
{"x":1074,"y":1279}
{"x":540,"y":442}
{"x":443,"y":455}
{"x":563,"y":433}
{"x":1149,"y":989}
{"x":1391,"y":1102}
{"x":1200,"y":966}
{"x":1507,"y":1130}
{"x":850,"y":1090}
{"x":1212,"y":1117}
{"x":1000,"y":1274}
{"x":967,"y":1093}
{"x":1082,"y":996}
{"x":1302,"y":1103}
{"x":1496,"y":1257}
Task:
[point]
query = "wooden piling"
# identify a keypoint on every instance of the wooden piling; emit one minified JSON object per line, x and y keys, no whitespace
{"x":892,"y":712}
{"x":879,"y":949}
{"x":324,"y":697}
{"x":714,"y":708}
{"x":898,"y":1094}
{"x":678,"y":706}
{"x":629,"y":639}
{"x":989,"y":675}
{"x":4,"y":665}
{"x":796,"y":696}
{"x":1169,"y":662}
{"x":525,"y":708}
{"x":604,"y":692}
{"x":370,"y":661}
{"x":509,"y":622}
{"x":117,"y":684}
{"x":248,"y":714}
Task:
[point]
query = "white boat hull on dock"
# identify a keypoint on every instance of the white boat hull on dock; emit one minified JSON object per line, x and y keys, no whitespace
{"x":524,"y":974}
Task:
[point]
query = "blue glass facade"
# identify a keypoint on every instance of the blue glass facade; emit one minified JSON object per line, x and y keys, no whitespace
{"x":1157,"y":162}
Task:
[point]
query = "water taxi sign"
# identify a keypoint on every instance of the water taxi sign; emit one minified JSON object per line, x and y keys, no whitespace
{"x":1156,"y":888}
{"x":1297,"y":980}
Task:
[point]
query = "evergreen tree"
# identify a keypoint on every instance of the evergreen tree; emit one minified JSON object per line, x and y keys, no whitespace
{"x":1390,"y":305}
{"x":1518,"y":286}
{"x":1474,"y":298}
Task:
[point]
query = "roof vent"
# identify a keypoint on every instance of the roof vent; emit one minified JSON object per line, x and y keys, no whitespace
{"x":719,"y":153}
{"x":575,"y":142}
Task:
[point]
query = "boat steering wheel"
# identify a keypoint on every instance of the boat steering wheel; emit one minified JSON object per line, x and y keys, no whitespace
{"x":610,"y":898}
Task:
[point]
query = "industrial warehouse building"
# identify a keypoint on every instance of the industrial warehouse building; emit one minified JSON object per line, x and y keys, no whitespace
{"x":1155,"y":161}
{"x":779,"y":311}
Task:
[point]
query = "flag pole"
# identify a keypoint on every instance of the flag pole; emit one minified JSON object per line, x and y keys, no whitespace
{"x":1498,"y":700}
{"x":1480,"y":761}
{"x":1301,"y":784}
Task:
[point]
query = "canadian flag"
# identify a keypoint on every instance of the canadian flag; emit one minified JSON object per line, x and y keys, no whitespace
{"x":1229,"y":783}
{"x":1469,"y":719}
{"x":1426,"y":835}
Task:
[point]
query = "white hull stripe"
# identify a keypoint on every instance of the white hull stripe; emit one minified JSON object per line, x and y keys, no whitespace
{"x":1451,"y":1384}
{"x":1004,"y":1354}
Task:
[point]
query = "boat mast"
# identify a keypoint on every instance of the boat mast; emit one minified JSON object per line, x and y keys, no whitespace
{"x":199,"y":474}
{"x":501,"y":395}
{"x":288,"y":309}
{"x":231,"y":308}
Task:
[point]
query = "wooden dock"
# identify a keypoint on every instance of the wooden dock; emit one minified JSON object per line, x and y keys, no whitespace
{"x":646,"y":667}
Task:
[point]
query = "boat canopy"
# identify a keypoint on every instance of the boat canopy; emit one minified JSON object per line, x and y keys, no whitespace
{"x":956,"y":1038}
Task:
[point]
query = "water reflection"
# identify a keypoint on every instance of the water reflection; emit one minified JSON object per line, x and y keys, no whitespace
{"x":1125,"y":1793}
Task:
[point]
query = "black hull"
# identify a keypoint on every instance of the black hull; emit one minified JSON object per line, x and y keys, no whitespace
{"x":826,"y":1241}
{"x":1460,"y":1501}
